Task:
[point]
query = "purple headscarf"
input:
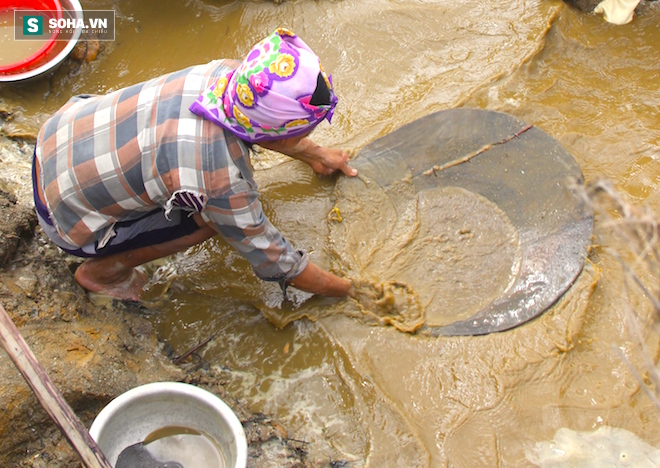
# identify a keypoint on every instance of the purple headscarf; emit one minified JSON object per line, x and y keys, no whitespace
{"x":268,"y":96}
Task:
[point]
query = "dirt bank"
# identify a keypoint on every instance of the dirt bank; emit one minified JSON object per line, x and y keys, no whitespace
{"x":93,"y":353}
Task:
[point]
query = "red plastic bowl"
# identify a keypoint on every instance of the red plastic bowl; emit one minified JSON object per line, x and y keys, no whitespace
{"x":40,"y":5}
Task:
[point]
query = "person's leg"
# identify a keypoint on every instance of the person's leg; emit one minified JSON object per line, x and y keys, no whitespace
{"x":115,"y":275}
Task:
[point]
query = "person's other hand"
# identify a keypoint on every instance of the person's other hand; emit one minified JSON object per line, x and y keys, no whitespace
{"x":330,"y":160}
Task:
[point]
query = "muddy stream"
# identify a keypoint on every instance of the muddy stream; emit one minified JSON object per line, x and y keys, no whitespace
{"x":348,"y":382}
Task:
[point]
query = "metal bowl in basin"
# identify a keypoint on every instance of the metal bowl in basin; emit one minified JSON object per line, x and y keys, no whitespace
{"x":131,"y":417}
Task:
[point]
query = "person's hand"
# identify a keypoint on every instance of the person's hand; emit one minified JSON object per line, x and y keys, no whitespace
{"x":326,"y":161}
{"x":316,"y":280}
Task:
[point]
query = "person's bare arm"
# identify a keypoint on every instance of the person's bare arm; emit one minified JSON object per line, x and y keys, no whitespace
{"x":323,"y":160}
{"x":319,"y":281}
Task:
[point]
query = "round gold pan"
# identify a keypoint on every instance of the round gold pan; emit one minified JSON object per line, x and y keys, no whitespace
{"x":521,"y":169}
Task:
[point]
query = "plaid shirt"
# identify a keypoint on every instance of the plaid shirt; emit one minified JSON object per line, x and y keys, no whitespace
{"x":106,"y":159}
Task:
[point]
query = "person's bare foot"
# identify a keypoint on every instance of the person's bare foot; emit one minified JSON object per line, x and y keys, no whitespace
{"x":125,"y":284}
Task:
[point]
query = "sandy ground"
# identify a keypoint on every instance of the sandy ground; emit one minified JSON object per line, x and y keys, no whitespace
{"x":93,"y":353}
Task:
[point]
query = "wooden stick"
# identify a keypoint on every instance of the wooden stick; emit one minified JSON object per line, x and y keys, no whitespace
{"x":192,"y":350}
{"x":49,"y":396}
{"x":435,"y":169}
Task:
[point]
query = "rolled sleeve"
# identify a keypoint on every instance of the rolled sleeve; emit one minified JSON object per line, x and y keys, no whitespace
{"x":238,"y":216}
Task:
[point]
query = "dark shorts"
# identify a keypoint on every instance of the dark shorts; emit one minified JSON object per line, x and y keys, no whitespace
{"x":152,"y":228}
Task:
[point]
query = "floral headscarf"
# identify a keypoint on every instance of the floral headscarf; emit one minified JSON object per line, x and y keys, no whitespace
{"x":268,"y":96}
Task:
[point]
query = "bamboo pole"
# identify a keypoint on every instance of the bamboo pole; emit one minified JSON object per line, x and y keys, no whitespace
{"x":49,"y":396}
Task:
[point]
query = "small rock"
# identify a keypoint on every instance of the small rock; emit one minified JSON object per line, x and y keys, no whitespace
{"x":86,"y":50}
{"x":27,"y":284}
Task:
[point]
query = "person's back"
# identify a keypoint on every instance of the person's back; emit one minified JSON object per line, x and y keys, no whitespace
{"x":112,"y":158}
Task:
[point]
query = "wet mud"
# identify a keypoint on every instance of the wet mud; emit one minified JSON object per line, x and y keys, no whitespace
{"x":93,"y":353}
{"x":435,"y":244}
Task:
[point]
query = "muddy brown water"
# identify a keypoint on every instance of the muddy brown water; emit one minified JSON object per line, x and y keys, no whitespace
{"x":368,"y":394}
{"x":14,"y":51}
